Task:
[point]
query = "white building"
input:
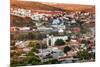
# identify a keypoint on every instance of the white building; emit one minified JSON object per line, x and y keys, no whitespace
{"x":59,"y":26}
{"x":20,"y":44}
{"x":43,"y":28}
{"x":25,"y":28}
{"x":21,"y":12}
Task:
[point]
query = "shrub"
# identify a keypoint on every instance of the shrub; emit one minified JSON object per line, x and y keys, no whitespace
{"x":59,"y":42}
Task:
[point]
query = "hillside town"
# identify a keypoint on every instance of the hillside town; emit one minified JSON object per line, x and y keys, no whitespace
{"x":51,"y":37}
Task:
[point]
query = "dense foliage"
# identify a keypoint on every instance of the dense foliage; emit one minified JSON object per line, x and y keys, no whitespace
{"x":59,"y":42}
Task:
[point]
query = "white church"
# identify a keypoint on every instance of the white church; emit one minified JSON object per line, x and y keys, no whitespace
{"x":51,"y":39}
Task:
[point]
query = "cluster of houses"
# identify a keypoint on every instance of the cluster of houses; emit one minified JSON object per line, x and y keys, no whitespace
{"x":57,"y":51}
{"x":61,"y":23}
{"x":33,"y":14}
{"x":56,"y":20}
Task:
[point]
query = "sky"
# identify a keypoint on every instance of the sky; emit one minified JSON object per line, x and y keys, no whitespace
{"x":86,"y":2}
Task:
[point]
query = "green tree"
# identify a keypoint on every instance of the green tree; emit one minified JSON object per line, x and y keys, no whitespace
{"x":59,"y":42}
{"x":33,"y":45}
{"x":32,"y":58}
{"x":66,"y":49}
{"x":83,"y":55}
